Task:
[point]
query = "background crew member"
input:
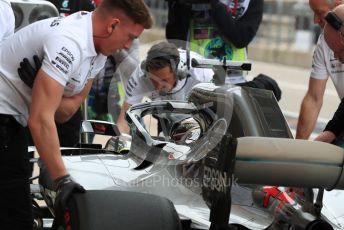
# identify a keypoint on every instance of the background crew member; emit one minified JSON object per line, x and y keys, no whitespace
{"x":333,"y":34}
{"x":324,"y":65}
{"x":217,"y":29}
{"x":161,"y":78}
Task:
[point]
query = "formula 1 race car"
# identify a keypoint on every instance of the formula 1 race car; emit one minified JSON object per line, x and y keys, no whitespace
{"x":208,"y":169}
{"x":213,"y":159}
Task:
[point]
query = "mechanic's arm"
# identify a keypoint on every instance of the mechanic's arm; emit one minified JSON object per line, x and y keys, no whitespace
{"x":335,"y":126}
{"x":310,"y":108}
{"x":46,"y":98}
{"x":69,"y":105}
{"x":326,"y":136}
{"x":121,"y":122}
{"x":239,"y":31}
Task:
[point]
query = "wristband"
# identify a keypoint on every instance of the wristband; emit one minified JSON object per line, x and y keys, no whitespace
{"x":62,"y":180}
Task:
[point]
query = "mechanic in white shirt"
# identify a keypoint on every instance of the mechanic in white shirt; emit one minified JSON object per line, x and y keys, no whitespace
{"x":162,"y":76}
{"x":73,"y":50}
{"x":333,"y":35}
{"x":7,"y":23}
{"x":324,"y":65}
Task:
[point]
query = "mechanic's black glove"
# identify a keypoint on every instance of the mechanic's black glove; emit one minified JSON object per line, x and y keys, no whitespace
{"x":65,"y":188}
{"x":27,"y":72}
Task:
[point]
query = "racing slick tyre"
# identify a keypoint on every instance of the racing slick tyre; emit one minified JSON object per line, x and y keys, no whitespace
{"x":116,"y":210}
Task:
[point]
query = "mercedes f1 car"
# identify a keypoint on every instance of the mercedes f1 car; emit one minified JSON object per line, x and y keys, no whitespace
{"x":216,"y":154}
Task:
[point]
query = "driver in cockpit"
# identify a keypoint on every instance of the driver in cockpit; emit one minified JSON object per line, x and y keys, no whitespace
{"x":164,"y":75}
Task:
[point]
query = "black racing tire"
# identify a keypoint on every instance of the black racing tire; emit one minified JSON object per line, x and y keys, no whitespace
{"x":116,"y":210}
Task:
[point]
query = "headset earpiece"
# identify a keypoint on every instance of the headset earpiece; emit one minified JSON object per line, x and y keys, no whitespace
{"x":334,"y":20}
{"x":111,"y":28}
{"x":179,"y":66}
{"x":182,"y":70}
{"x":143,"y":67}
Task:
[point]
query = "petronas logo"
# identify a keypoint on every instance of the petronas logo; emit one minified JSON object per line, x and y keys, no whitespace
{"x":65,"y":3}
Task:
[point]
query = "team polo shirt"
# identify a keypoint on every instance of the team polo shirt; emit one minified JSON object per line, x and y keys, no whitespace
{"x":325,"y":64}
{"x":69,"y":57}
{"x":140,"y":86}
{"x":6,"y":20}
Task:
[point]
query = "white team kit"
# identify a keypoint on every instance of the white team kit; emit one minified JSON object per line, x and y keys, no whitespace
{"x":66,"y":47}
{"x":6,"y":20}
{"x":140,"y":86}
{"x":325,"y":65}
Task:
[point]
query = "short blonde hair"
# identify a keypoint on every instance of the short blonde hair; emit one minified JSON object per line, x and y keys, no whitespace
{"x":137,"y":10}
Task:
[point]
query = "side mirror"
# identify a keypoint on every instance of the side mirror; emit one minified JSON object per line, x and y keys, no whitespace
{"x":99,"y":127}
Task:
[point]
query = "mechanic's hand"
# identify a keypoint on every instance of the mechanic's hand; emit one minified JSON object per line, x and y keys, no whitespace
{"x":65,"y":188}
{"x":27,"y":72}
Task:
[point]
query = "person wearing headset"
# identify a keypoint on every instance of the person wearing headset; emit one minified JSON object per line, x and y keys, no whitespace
{"x":6,"y":20}
{"x":73,"y":50}
{"x":324,"y":66}
{"x":334,"y":37}
{"x":164,"y":75}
